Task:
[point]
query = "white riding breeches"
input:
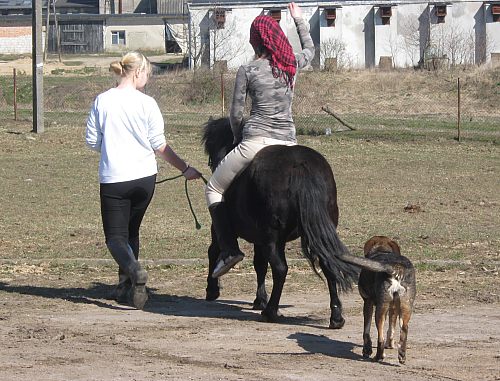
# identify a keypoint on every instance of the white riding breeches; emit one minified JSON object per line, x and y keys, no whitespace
{"x":234,"y":163}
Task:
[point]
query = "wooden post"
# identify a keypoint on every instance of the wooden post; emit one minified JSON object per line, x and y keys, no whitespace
{"x":15,"y":93}
{"x":58,"y":32}
{"x":222,"y":91}
{"x":37,"y":66}
{"x":330,"y":112}
{"x":47,"y":26}
{"x":458,"y":110}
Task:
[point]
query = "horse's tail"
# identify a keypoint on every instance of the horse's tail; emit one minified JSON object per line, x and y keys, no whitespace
{"x":320,"y":242}
{"x":369,"y":264}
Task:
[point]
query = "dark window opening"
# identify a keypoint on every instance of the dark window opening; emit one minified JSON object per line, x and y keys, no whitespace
{"x":495,"y":12}
{"x":172,"y":47}
{"x":385,"y":14}
{"x":220,"y":18}
{"x":275,"y":14}
{"x":331,"y":16}
{"x":440,"y":13}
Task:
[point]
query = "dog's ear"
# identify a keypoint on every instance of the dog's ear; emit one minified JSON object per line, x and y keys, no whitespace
{"x":395,"y":247}
{"x":369,"y":245}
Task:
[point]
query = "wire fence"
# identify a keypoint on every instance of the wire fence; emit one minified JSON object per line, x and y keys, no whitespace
{"x":324,"y":102}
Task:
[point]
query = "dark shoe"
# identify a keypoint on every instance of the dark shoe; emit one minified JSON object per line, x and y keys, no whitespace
{"x":138,"y":294}
{"x":124,"y":256}
{"x":224,"y":265}
{"x":230,"y":253}
{"x":120,"y":293}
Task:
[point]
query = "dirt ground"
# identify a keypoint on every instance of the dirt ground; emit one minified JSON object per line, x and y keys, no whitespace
{"x":58,"y":323}
{"x":71,"y":63}
{"x":64,"y":327}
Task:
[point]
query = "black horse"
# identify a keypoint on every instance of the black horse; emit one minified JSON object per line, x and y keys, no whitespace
{"x":287,"y":192}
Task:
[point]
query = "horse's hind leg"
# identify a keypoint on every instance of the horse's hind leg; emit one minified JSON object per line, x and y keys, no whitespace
{"x":279,"y":270}
{"x":337,"y":321}
{"x":260,"y":262}
{"x":213,"y":285}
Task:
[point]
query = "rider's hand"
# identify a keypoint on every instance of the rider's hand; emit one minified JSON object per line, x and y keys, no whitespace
{"x":191,"y":173}
{"x":295,"y":10}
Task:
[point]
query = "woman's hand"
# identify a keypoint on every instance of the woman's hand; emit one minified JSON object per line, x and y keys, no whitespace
{"x":295,"y":10}
{"x":191,"y":173}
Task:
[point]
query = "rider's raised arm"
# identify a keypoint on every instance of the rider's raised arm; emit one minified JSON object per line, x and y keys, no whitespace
{"x":238,"y":105}
{"x":307,"y":54}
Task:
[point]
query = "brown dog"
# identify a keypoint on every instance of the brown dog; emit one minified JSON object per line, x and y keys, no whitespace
{"x":390,"y":286}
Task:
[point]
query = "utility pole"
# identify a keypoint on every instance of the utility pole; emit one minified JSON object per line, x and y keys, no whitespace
{"x":37,"y":65}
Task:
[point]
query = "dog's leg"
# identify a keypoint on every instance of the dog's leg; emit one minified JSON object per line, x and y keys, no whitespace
{"x":380,"y":312}
{"x":367,"y":341}
{"x":393,"y":317}
{"x":405,"y":318}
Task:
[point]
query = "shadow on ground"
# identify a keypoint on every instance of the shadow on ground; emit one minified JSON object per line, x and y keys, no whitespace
{"x":99,"y":294}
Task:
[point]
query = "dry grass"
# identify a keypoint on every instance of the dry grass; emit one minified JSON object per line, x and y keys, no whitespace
{"x":49,"y":189}
{"x":50,"y":209}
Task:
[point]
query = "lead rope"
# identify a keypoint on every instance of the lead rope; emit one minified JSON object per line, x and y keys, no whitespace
{"x":197,"y":224}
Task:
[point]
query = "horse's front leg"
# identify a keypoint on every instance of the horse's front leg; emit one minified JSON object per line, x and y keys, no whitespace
{"x":279,"y":270}
{"x":213,"y":285}
{"x":260,"y":262}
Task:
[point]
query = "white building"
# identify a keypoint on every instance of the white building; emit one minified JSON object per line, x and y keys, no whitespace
{"x":354,"y":33}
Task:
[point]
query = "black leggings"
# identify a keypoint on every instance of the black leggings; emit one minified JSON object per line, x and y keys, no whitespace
{"x":123,"y":206}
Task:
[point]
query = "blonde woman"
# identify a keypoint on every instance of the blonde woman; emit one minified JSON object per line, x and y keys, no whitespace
{"x":126,"y":127}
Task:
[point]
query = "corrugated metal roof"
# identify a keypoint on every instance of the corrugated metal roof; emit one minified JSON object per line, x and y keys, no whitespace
{"x":241,"y":2}
{"x":25,"y":4}
{"x":15,"y":4}
{"x":282,"y":3}
{"x":172,"y":7}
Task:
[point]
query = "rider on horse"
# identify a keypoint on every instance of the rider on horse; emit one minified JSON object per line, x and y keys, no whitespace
{"x":269,"y":80}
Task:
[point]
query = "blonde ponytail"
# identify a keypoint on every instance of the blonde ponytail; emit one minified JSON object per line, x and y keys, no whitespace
{"x":129,"y":63}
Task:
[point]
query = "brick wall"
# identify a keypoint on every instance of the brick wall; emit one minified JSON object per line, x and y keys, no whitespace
{"x":16,"y":39}
{"x":15,"y":31}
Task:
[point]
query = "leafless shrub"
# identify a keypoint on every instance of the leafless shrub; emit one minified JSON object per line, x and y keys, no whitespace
{"x":335,"y":48}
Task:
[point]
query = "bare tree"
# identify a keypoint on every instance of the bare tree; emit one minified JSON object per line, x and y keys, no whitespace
{"x":213,"y":37}
{"x":452,"y":41}
{"x":224,"y":44}
{"x":335,"y":48}
{"x":409,"y":29}
{"x":195,"y":42}
{"x":395,"y":45}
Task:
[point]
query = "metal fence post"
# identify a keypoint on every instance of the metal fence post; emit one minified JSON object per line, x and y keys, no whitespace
{"x":458,"y":109}
{"x":15,"y":94}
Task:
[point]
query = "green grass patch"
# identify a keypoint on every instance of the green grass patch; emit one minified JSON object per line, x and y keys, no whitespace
{"x":73,"y":63}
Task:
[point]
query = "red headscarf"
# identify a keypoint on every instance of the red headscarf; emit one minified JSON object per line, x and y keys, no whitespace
{"x":267,"y":32}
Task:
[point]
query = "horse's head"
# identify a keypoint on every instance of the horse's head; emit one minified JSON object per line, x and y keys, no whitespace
{"x":217,"y":140}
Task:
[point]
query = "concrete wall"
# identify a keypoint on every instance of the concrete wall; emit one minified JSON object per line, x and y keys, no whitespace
{"x":492,"y":33}
{"x":468,"y":34}
{"x":144,"y":33}
{"x":136,"y":37}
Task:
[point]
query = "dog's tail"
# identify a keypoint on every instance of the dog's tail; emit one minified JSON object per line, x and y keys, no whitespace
{"x":368,"y":264}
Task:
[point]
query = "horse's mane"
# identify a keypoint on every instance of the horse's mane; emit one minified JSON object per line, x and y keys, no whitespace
{"x":217,"y":134}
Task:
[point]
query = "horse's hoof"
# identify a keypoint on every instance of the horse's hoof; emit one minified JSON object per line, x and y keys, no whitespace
{"x":270,"y":317}
{"x":367,"y":351}
{"x":336,"y":324}
{"x":259,"y":305}
{"x":212,"y":295}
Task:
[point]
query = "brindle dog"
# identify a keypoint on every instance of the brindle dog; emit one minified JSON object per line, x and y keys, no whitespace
{"x":390,"y":291}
